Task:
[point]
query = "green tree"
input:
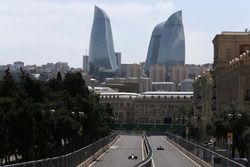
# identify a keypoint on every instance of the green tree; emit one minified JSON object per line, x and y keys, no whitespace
{"x":56,"y":83}
{"x":7,"y":85}
{"x":38,"y":119}
{"x":4,"y":146}
{"x":74,"y":84}
{"x":22,"y":133}
{"x":34,"y":88}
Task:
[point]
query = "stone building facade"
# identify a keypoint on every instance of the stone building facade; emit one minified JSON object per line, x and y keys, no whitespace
{"x":231,"y":70}
{"x":203,"y":93}
{"x":148,"y":107}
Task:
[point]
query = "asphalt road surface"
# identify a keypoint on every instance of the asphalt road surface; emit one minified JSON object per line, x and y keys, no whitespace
{"x":170,"y":156}
{"x":117,"y":155}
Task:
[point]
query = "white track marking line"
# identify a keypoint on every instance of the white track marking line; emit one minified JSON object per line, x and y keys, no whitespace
{"x":104,"y":153}
{"x":142,"y":150}
{"x":180,"y":151}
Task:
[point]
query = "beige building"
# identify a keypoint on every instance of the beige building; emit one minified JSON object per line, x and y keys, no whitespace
{"x":132,"y":70}
{"x":160,"y":107}
{"x":194,"y":70}
{"x":163,"y":86}
{"x":177,"y":73}
{"x":148,"y":107}
{"x":233,"y":86}
{"x":231,"y":70}
{"x":162,"y":73}
{"x":157,"y":73}
{"x":137,"y":85}
{"x":145,"y":84}
{"x":122,"y":104}
{"x":203,"y":93}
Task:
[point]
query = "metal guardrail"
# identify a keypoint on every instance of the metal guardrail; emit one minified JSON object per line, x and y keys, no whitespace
{"x":69,"y":160}
{"x":147,"y":162}
{"x":203,"y":153}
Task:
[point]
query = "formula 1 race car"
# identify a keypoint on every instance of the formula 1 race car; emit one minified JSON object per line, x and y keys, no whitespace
{"x":160,"y":148}
{"x":132,"y":156}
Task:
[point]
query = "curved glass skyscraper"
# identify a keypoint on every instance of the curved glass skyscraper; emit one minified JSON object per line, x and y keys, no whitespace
{"x":101,"y":48}
{"x":167,"y":43}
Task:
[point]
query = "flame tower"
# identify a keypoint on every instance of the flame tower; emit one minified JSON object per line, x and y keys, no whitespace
{"x":101,"y":48}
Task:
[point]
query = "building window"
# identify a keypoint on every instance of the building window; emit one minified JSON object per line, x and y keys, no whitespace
{"x":165,"y":97}
{"x":152,"y":97}
{"x":172,"y":97}
{"x":178,"y":97}
{"x":144,"y":97}
{"x":159,"y":97}
{"x":184,"y":97}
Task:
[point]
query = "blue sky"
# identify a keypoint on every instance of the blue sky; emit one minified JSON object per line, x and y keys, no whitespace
{"x":41,"y":31}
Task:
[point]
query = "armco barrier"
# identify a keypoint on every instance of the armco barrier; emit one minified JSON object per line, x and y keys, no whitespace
{"x":197,"y":152}
{"x":147,"y":162}
{"x":72,"y":159}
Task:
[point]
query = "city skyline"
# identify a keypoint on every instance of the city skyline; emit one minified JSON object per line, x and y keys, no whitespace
{"x":37,"y":32}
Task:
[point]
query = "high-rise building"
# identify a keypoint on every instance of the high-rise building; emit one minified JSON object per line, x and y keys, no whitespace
{"x":85,"y":63}
{"x":157,"y":73}
{"x":167,"y":43}
{"x":132,"y":70}
{"x":101,"y":48}
{"x":118,"y":56}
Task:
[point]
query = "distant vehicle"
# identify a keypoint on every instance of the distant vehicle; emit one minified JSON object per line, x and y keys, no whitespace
{"x":132,"y":156}
{"x":160,"y":148}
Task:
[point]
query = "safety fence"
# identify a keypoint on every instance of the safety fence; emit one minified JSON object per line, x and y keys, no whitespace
{"x":212,"y":158}
{"x":69,"y":160}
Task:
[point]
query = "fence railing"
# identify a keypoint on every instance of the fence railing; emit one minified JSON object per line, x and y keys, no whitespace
{"x":203,"y":153}
{"x":147,"y":162}
{"x":69,"y":160}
